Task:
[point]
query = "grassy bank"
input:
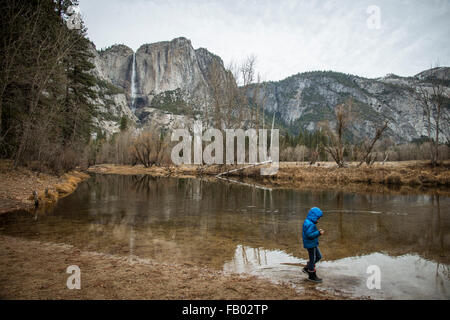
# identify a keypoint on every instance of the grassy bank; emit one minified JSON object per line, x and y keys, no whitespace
{"x":17,"y":186}
{"x":412,"y":176}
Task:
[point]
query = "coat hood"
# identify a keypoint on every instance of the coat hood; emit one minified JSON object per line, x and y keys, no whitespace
{"x":314,"y":215}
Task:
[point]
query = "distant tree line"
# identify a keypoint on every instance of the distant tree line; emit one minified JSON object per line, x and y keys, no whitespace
{"x":293,"y":150}
{"x":334,"y":142}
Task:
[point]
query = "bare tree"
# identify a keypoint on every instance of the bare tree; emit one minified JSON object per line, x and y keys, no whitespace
{"x":344,"y":115}
{"x":384,"y":148}
{"x":247,"y":72}
{"x":434,"y":101}
{"x":313,"y":156}
{"x":367,"y":146}
{"x":226,"y":98}
{"x":42,"y":73}
{"x":18,"y":24}
{"x":217,"y":93}
{"x":300,"y":152}
{"x":150,"y":148}
{"x":259,"y":100}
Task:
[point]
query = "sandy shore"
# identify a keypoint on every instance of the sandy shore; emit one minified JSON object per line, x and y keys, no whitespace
{"x":37,"y":270}
{"x":17,"y":186}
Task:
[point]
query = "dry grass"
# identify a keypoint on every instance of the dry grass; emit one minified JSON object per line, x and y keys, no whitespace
{"x":70,"y":182}
{"x":17,"y":186}
{"x":411,"y":176}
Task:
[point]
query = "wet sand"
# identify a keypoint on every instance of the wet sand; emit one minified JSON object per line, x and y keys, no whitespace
{"x":37,"y":270}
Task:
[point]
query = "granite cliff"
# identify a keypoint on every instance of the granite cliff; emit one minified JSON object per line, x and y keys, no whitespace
{"x":172,"y":78}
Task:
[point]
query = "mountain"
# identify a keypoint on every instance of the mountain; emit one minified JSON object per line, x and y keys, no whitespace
{"x":171,"y":76}
{"x":172,"y":79}
{"x":305,"y":99}
{"x":111,"y":70}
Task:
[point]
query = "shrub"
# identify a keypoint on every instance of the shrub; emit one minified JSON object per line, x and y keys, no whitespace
{"x":414,"y":182}
{"x":393,"y":179}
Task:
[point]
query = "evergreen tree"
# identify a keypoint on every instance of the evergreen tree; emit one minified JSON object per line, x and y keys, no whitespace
{"x":123,"y":123}
{"x":46,"y":85}
{"x":79,"y":97}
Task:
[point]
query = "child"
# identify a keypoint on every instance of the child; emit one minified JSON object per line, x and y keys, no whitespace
{"x":311,"y":242}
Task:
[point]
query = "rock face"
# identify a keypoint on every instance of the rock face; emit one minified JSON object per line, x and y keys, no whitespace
{"x":304,"y":100}
{"x":174,"y":78}
{"x":111,"y":68}
{"x":170,"y":76}
{"x":167,"y":66}
{"x":171,"y":66}
{"x":114,"y":65}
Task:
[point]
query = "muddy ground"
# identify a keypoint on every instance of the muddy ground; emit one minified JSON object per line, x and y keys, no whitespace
{"x":36,"y":270}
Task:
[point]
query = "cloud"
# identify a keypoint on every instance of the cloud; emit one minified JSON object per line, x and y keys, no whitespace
{"x":287,"y":36}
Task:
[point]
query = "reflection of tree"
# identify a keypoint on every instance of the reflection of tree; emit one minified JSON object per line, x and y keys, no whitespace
{"x":257,"y":254}
{"x":244,"y":255}
{"x":144,"y":183}
{"x":441,"y":234}
{"x":443,"y":276}
{"x":434,"y":240}
{"x":340,"y":206}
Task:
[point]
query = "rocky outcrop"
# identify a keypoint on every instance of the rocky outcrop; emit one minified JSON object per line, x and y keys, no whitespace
{"x":114,"y":65}
{"x":442,"y":73}
{"x":113,"y":85}
{"x":164,"y":119}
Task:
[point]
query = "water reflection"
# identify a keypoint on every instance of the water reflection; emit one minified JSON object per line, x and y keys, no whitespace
{"x":203,"y":222}
{"x":404,"y":277}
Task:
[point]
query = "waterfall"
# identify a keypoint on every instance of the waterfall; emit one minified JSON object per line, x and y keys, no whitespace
{"x":133,"y":83}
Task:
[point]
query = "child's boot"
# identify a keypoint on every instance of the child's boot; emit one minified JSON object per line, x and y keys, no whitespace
{"x":313,"y":277}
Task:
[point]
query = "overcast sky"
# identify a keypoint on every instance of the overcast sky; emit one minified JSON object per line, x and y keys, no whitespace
{"x":286,"y":36}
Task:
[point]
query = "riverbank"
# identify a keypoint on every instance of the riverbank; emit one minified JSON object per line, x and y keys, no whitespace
{"x":17,"y":186}
{"x":37,"y":270}
{"x":408,"y":176}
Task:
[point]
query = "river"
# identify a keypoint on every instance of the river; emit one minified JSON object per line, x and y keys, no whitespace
{"x":238,"y":228}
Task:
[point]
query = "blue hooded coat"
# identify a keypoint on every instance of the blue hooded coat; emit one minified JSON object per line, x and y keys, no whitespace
{"x":310,"y":232}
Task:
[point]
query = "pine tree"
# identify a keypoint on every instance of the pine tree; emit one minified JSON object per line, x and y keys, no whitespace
{"x":46,"y":85}
{"x":79,"y":96}
{"x":123,"y":123}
